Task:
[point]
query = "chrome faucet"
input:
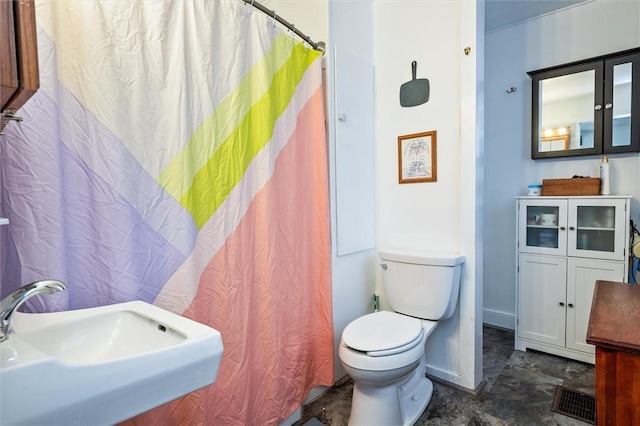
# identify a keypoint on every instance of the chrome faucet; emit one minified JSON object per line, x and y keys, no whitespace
{"x":9,"y":304}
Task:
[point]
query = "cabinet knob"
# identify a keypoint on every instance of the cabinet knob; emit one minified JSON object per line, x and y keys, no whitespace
{"x":571,"y":228}
{"x":608,"y":106}
{"x":570,"y":305}
{"x":562,"y":228}
{"x":597,"y":107}
{"x":561,"y":303}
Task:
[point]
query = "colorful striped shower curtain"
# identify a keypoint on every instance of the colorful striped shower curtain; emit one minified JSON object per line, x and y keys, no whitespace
{"x":176,"y":154}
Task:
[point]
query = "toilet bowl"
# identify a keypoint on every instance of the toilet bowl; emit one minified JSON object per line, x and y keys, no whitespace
{"x":383,"y":352}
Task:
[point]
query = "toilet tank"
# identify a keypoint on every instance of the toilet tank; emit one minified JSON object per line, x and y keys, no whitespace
{"x":420,"y":283}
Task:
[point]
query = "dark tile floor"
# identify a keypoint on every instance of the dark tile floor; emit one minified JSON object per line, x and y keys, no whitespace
{"x":519,"y":390}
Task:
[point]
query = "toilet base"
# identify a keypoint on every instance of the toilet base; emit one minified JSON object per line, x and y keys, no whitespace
{"x":399,"y":403}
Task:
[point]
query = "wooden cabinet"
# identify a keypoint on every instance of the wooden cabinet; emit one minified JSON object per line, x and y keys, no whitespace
{"x":613,"y":329}
{"x":587,"y":107}
{"x":19,"y":78}
{"x":564,"y":245}
{"x":8,"y":65}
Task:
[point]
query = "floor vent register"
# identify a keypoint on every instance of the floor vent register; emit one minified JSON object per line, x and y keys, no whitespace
{"x":578,"y":405}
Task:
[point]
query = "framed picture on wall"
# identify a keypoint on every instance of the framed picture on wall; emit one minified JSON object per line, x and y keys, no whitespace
{"x":417,"y":158}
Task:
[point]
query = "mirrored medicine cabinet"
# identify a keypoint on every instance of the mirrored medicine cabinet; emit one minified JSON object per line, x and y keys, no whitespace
{"x":587,"y":107}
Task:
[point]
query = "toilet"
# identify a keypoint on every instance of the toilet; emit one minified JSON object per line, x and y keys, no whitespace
{"x":383,"y":352}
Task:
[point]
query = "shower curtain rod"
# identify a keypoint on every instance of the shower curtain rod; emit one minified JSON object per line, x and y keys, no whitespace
{"x":316,"y":46}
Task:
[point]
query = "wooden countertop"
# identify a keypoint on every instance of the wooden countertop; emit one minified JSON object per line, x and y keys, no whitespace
{"x":615,"y":316}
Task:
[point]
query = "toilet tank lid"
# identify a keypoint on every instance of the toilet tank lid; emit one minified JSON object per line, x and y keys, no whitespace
{"x":422,"y":257}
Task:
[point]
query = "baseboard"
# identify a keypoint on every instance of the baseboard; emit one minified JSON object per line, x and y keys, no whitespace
{"x":444,"y":382}
{"x":314,"y":394}
{"x":294,"y":417}
{"x":499,"y":319}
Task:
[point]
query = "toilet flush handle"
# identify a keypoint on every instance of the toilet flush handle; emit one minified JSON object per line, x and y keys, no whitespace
{"x":383,"y":266}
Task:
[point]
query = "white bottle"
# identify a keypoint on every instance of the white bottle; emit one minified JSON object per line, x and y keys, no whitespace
{"x":604,"y":177}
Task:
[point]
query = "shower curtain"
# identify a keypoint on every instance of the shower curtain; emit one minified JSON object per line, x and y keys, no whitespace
{"x":176,"y":153}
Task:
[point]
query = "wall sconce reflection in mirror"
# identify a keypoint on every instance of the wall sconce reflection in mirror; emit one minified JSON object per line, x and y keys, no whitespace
{"x":555,"y":138}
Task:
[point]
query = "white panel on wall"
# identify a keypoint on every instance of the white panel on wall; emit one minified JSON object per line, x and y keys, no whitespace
{"x":355,"y":153}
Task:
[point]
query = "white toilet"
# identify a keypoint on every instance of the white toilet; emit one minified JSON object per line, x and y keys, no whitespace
{"x":383,"y":352}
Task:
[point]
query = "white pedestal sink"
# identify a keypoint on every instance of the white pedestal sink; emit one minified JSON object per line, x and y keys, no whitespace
{"x":102,"y":365}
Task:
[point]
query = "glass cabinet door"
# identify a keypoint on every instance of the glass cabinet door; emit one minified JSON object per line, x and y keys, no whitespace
{"x":543,"y":226}
{"x":596,"y":229}
{"x":621,"y":106}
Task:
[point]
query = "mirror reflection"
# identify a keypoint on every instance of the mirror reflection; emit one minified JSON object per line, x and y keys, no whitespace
{"x":555,"y":139}
{"x":567,"y":105}
{"x":621,"y":104}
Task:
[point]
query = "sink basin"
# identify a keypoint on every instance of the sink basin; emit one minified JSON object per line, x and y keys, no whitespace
{"x":102,"y":365}
{"x":103,"y":337}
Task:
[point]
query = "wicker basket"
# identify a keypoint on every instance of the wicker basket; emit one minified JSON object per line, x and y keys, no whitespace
{"x":575,"y":186}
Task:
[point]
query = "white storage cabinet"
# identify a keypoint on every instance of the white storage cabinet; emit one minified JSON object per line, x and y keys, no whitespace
{"x":565,"y":244}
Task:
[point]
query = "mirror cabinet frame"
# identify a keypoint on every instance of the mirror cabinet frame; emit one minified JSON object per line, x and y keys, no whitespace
{"x":603,"y":67}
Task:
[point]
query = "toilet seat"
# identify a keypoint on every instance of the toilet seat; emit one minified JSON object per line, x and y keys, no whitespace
{"x":383,"y":333}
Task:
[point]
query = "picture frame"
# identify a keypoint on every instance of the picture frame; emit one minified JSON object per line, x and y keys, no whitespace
{"x":417,"y":157}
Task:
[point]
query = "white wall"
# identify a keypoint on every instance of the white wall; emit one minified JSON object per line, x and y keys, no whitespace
{"x":437,"y":216}
{"x":309,"y":16}
{"x":580,"y":32}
